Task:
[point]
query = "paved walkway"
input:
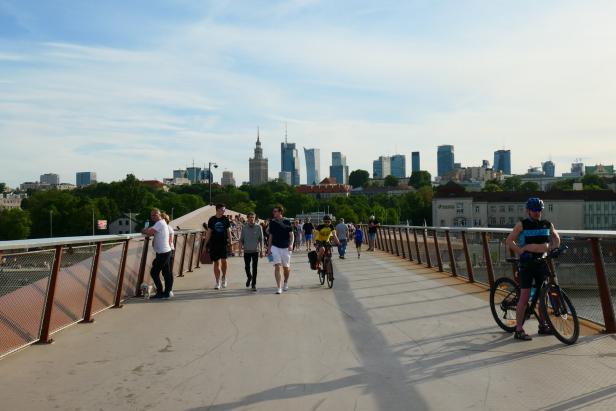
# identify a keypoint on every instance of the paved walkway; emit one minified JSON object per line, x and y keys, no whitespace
{"x":390,"y":336}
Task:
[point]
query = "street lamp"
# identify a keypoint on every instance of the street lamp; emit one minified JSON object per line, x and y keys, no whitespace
{"x":209,"y":177}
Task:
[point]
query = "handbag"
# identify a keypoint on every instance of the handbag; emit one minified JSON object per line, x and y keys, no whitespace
{"x":205,"y":257}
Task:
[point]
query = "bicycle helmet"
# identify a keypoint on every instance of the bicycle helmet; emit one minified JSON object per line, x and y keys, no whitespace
{"x":535,"y":204}
{"x":327,"y":217}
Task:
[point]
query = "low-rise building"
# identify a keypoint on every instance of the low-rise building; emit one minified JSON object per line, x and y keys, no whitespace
{"x":325,"y":189}
{"x":570,"y":210}
{"x":370,"y":191}
{"x":125,"y":224}
{"x":10,"y":201}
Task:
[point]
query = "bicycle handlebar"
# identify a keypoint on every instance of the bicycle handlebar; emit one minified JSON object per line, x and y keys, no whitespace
{"x":554,"y":253}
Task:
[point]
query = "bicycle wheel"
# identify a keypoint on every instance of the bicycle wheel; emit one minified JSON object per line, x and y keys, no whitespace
{"x":560,"y":314}
{"x":504,"y":297}
{"x":321,"y":276}
{"x":330,"y":273}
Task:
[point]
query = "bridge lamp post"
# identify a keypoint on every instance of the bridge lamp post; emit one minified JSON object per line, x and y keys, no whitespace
{"x":209,"y":177}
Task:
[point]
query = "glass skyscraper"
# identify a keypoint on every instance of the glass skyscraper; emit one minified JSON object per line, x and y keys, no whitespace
{"x":339,"y":169}
{"x":502,"y":161}
{"x":444,"y":159}
{"x":549,"y":168}
{"x":313,"y":165}
{"x":398,"y":166}
{"x":289,"y":160}
{"x":381,"y":168}
{"x":85,"y":178}
{"x":415,"y":165}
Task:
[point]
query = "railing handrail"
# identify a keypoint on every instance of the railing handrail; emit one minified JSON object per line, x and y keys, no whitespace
{"x":55,"y":241}
{"x":579,"y":233}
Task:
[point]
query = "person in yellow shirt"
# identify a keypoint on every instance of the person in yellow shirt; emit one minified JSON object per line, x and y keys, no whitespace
{"x":323,"y":234}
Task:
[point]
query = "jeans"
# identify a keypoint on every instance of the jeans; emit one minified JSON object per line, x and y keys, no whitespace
{"x":161,"y":263}
{"x":342,"y":247}
{"x":254,"y":258}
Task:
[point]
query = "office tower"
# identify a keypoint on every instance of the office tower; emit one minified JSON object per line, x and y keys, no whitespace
{"x":257,"y":165}
{"x":50,"y":178}
{"x":549,"y":168}
{"x":577,"y":169}
{"x":289,"y":160}
{"x":204,"y":175}
{"x":502,"y":161}
{"x":313,"y":165}
{"x":285,"y":177}
{"x":444,"y":160}
{"x":485,"y":164}
{"x":85,"y":178}
{"x":398,"y":166}
{"x":415,"y":164}
{"x":179,"y":173}
{"x":227,"y":179}
{"x":339,"y":169}
{"x":381,"y":168}
{"x":193,"y":174}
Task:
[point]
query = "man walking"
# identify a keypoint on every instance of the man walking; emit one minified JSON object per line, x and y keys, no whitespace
{"x":280,"y":244}
{"x":342,"y":231}
{"x":160,"y":243}
{"x":217,"y":240}
{"x":373,"y":225}
{"x":251,"y":242}
{"x":308,"y":229}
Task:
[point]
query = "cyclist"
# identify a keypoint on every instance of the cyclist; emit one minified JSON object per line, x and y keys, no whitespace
{"x":323,"y":235}
{"x":530,"y":240}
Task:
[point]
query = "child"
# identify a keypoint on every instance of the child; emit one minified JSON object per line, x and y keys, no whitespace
{"x":359,"y":239}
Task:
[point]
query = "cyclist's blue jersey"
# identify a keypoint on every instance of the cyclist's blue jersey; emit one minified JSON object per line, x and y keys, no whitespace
{"x":535,"y":232}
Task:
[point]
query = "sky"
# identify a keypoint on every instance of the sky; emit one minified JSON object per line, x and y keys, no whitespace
{"x":148,"y":86}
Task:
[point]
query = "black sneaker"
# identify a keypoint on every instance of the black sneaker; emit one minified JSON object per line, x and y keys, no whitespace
{"x":521,"y":335}
{"x":157,"y":296}
{"x":545,"y":330}
{"x":248,"y":281}
{"x":254,"y":289}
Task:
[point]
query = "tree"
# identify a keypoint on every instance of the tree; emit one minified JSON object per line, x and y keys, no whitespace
{"x":358,"y":178}
{"x":529,"y":186}
{"x":2,"y":187}
{"x":593,"y":182}
{"x":492,"y":186}
{"x":391,"y":181}
{"x":512,"y":183}
{"x":14,"y":224}
{"x":420,"y":179}
{"x":562,"y":185}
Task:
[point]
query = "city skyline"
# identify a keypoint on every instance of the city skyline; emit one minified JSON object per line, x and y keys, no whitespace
{"x":78,"y":89}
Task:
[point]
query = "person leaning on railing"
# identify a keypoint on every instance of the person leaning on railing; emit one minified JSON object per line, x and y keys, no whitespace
{"x":160,"y":232}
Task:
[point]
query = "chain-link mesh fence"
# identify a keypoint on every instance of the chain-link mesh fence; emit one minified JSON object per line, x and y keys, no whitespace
{"x":179,"y":248}
{"x":24,"y":278}
{"x":457,"y":246}
{"x":131,"y":271}
{"x":107,"y":276}
{"x":420,"y":244}
{"x":72,"y":286}
{"x":608,"y":249}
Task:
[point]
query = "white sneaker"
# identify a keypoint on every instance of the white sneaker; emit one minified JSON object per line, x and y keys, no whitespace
{"x":279,"y":291}
{"x":224,"y":283}
{"x":285,"y":287}
{"x":217,"y":286}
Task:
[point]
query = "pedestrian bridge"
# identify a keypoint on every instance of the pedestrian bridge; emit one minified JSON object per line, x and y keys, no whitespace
{"x":393,"y":333}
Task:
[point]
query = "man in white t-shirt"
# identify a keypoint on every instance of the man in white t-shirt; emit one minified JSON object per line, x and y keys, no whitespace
{"x":160,"y":244}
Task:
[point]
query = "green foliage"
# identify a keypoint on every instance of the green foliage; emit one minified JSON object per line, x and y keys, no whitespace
{"x":359,"y":178}
{"x":492,"y":186}
{"x":391,"y":181}
{"x":594,"y":182}
{"x":562,"y":185}
{"x":512,"y":183}
{"x":529,"y":186}
{"x":14,"y":224}
{"x":420,"y":179}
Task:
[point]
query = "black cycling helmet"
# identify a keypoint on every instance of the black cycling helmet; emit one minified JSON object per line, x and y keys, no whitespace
{"x":327,"y":217}
{"x":535,"y":204}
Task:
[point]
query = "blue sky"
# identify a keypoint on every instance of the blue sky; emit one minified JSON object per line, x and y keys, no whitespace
{"x":144,"y":87}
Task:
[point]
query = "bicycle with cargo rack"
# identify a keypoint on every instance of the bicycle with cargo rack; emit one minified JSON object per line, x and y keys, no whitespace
{"x":554,"y":304}
{"x":326,"y":268}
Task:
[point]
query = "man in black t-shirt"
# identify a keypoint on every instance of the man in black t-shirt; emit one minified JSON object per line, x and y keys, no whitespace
{"x":373,"y":226}
{"x":308,"y":234}
{"x":280,"y":244}
{"x":217,"y":240}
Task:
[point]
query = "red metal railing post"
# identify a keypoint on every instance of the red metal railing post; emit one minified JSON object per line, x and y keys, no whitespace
{"x":393,"y":229}
{"x":377,"y":240}
{"x":390,"y":240}
{"x":417,"y":245}
{"x":51,"y":291}
{"x":604,"y":288}
{"x":425,"y":241}
{"x":401,"y":243}
{"x":488,"y":258}
{"x":439,"y":259}
{"x":144,"y":261}
{"x":384,"y":240}
{"x":183,"y":256}
{"x":87,"y":313}
{"x":408,"y":244}
{"x":192,"y":252}
{"x":120,"y":286}
{"x":467,"y":256}
{"x":201,"y":237}
{"x":452,"y":260}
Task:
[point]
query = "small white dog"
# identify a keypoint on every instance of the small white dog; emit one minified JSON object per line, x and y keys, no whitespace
{"x":147,"y":290}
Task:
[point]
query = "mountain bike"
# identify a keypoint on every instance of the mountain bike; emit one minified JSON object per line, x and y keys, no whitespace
{"x":326,"y":270}
{"x":556,"y":307}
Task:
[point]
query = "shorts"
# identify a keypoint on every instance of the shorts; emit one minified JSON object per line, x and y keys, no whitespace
{"x":532,"y":271}
{"x":371,"y":236}
{"x":358,"y":243}
{"x":218,"y":251}
{"x":308,"y":237}
{"x":281,"y":256}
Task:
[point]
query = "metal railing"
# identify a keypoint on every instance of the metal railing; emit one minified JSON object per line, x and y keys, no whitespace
{"x":587,"y":271}
{"x":49,"y":284}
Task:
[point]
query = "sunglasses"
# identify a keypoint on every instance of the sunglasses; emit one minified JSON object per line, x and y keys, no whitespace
{"x":536,"y":210}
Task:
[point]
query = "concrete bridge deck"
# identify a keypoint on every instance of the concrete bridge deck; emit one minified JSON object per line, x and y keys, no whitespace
{"x":391,"y":335}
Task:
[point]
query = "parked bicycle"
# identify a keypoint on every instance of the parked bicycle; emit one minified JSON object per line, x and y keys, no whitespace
{"x":556,"y":307}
